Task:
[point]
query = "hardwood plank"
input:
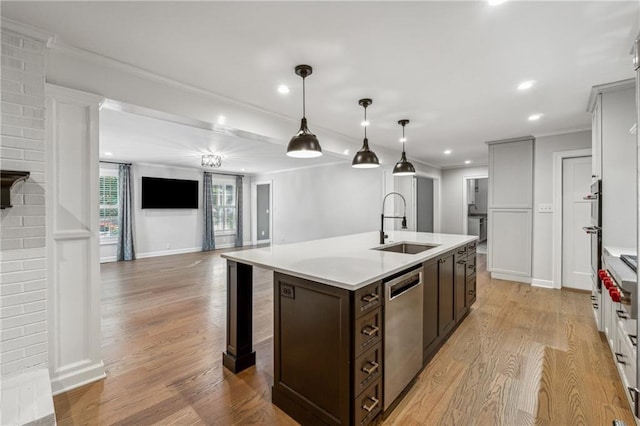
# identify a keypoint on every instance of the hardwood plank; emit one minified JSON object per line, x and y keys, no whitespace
{"x":523,"y":356}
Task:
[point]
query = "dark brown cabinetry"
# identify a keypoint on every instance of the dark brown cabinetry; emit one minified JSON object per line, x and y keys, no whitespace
{"x":449,"y":291}
{"x":328,"y":359}
{"x":446,"y":293}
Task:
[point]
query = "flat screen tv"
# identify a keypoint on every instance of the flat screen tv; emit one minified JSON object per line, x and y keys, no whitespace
{"x":159,"y":193}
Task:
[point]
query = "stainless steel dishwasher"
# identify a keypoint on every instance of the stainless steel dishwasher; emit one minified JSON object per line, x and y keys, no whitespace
{"x":403,"y":332}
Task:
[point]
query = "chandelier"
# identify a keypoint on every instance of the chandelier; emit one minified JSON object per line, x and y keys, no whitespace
{"x":211,"y":160}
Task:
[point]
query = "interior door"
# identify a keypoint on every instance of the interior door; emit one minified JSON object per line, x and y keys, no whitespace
{"x":424,"y":204}
{"x":263,"y":209}
{"x":576,"y":213}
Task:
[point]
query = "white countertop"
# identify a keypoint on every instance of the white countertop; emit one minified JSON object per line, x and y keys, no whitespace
{"x":617,"y":251}
{"x":347,"y":261}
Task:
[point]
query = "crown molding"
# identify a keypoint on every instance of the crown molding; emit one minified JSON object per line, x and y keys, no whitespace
{"x":606,"y":88}
{"x":27,"y":30}
{"x":563,"y":132}
{"x":518,"y":139}
{"x":466,"y":166}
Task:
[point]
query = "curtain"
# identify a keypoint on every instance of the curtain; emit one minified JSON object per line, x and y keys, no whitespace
{"x":239,"y":211}
{"x":209,"y":238}
{"x":125,"y":216}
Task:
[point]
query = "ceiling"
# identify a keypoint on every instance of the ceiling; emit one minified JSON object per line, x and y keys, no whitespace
{"x":137,"y":138}
{"x":452,"y":68}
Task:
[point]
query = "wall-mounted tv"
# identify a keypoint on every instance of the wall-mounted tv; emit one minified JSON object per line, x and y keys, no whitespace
{"x":159,"y":193}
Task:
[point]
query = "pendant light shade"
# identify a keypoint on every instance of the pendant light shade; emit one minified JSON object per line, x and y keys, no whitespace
{"x":403,"y":167}
{"x":304,"y":144}
{"x":365,"y":158}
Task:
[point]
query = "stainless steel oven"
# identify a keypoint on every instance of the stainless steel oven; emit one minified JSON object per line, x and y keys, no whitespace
{"x":595,"y":231}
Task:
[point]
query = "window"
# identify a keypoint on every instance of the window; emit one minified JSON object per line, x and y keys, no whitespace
{"x":224,"y":206}
{"x":109,"y":211}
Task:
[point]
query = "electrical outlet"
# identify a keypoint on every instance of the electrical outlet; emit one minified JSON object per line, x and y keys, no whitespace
{"x":545,"y":208}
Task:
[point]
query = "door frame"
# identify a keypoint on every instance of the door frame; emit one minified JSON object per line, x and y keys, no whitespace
{"x":254,"y":211}
{"x":465,"y":197}
{"x":556,"y":252}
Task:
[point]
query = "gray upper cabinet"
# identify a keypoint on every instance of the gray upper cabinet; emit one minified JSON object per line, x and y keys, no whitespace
{"x":511,"y":174}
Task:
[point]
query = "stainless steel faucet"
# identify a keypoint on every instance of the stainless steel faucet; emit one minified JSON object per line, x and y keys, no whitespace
{"x":383,"y":217}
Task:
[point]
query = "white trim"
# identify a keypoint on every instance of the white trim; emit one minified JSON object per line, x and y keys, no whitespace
{"x":557,"y":210}
{"x":563,"y":132}
{"x":293,"y":169}
{"x":511,"y":277}
{"x":73,"y":95}
{"x":77,"y":378}
{"x":27,"y":30}
{"x":535,"y":282}
{"x":628,"y":83}
{"x":254,"y":211}
{"x":465,"y":198}
{"x":466,"y":166}
{"x":108,"y":259}
{"x":168,"y":252}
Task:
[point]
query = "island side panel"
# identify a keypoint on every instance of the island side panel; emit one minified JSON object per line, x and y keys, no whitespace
{"x":312,"y":351}
{"x":239,"y":354}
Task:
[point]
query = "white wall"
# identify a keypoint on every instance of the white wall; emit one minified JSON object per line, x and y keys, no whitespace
{"x":452,"y":196}
{"x":543,"y":194}
{"x":23,"y":258}
{"x":160,"y":232}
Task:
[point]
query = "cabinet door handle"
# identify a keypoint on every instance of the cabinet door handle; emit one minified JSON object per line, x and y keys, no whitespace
{"x":618,"y":358}
{"x":462,"y":262}
{"x":370,"y":330}
{"x":595,"y":305}
{"x":472,"y":292}
{"x":369,"y":370}
{"x":370,"y":408}
{"x":634,"y":339}
{"x":632,"y":393}
{"x":370,"y":298}
{"x":621,"y":314}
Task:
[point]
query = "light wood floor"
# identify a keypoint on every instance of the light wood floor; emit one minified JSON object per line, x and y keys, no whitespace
{"x":524,"y":355}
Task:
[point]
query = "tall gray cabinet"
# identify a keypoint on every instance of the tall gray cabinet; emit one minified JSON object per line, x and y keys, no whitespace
{"x":510,"y":208}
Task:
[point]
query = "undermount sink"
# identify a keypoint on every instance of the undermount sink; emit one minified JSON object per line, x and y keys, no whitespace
{"x":407,"y":248}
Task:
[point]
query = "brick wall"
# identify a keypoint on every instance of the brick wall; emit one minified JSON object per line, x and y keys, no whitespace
{"x":23,"y":275}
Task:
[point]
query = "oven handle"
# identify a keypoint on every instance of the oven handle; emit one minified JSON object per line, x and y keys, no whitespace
{"x":591,"y":229}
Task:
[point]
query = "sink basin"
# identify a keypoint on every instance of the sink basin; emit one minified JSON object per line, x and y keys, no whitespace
{"x":407,"y":248}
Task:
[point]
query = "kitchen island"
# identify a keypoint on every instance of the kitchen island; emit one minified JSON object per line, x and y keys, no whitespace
{"x":329,"y":323}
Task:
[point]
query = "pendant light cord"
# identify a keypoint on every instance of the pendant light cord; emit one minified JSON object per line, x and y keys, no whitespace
{"x":365,"y":120}
{"x":403,"y":138}
{"x":304,"y":96}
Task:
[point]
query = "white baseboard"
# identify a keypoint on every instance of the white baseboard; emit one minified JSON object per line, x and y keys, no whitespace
{"x":76,"y":377}
{"x":536,"y":282}
{"x":167,"y":252}
{"x":511,"y":277}
{"x":108,"y":259}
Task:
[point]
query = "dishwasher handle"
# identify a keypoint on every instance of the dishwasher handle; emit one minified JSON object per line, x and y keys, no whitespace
{"x":404,"y":283}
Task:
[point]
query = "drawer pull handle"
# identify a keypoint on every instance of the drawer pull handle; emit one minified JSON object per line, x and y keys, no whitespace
{"x":370,"y":298}
{"x":618,"y":358}
{"x":595,"y":305}
{"x":634,"y":339}
{"x":461,"y":262}
{"x":370,"y":330}
{"x":621,"y":314}
{"x":632,"y":393}
{"x":370,"y":408}
{"x":472,"y":292}
{"x":372,"y":369}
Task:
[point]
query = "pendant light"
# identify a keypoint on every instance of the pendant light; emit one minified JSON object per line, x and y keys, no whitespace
{"x":403,"y":167}
{"x":304,"y":144}
{"x":365,"y":158}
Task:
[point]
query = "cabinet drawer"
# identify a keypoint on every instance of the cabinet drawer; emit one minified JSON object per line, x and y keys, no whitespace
{"x":461,"y":250}
{"x":471,"y":265}
{"x":625,"y":358}
{"x":367,"y":299}
{"x":367,"y":369}
{"x":368,"y":404}
{"x":367,"y":331}
{"x":471,"y":247}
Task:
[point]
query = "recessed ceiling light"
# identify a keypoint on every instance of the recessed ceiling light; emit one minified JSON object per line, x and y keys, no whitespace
{"x":535,"y":117}
{"x":495,"y":2}
{"x":222,"y":120}
{"x":467,"y":162}
{"x":364,"y":123}
{"x":283,"y":89}
{"x":242,"y":170}
{"x":447,"y":152}
{"x":345,"y":152}
{"x":526,"y":85}
{"x":108,"y":154}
